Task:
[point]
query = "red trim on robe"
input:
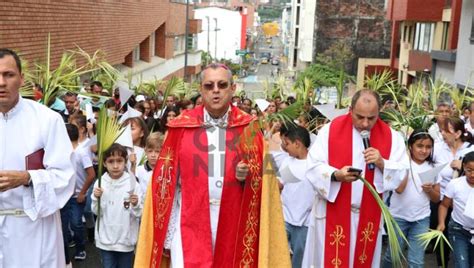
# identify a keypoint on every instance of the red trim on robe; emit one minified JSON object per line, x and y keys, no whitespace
{"x":184,"y":137}
{"x":338,"y":217}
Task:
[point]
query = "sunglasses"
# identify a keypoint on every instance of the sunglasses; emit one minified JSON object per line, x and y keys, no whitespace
{"x":212,"y":85}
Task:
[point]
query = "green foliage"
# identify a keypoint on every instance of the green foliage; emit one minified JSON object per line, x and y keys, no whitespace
{"x":267,"y":13}
{"x":321,"y":75}
{"x":337,"y":56}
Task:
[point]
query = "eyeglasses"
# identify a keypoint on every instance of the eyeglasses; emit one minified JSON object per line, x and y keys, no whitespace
{"x":468,"y":171}
{"x":211,"y":85}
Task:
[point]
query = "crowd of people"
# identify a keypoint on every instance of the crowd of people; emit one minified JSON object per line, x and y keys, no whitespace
{"x":193,"y":189}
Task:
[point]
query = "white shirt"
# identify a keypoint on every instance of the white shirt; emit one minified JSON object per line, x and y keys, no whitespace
{"x":435,"y":133}
{"x":412,"y":204}
{"x":35,"y":240}
{"x":468,"y":127}
{"x":442,"y":154}
{"x":81,"y":160}
{"x":458,"y":189}
{"x":144,"y":175}
{"x":118,"y":230}
{"x":297,"y":198}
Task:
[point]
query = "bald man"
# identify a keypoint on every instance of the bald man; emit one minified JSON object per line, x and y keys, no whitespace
{"x":346,"y":225}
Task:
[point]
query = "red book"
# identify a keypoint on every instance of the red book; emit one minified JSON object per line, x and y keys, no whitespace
{"x":34,"y":161}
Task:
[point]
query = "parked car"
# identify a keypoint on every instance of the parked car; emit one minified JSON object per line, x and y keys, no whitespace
{"x":275,"y":61}
{"x":264,"y":60}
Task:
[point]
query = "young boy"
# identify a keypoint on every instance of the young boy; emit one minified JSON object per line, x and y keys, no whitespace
{"x":152,"y":151}
{"x":74,"y":208}
{"x":117,"y":225}
{"x":297,"y":198}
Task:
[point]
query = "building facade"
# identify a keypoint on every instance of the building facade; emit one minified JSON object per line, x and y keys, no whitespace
{"x":145,"y":38}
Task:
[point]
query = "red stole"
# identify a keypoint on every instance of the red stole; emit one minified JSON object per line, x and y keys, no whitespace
{"x":186,"y":150}
{"x":338,"y":216}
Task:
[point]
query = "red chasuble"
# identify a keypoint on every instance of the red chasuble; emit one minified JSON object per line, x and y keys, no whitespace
{"x":185,"y":151}
{"x":338,"y":217}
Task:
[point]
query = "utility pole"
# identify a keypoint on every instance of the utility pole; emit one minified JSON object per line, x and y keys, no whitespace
{"x":215,"y":48}
{"x":186,"y":33}
{"x":208,"y":32}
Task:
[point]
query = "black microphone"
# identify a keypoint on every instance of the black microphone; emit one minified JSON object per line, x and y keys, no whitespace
{"x":365,"y":139}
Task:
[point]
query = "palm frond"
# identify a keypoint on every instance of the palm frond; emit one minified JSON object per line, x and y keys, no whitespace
{"x":440,"y":239}
{"x":393,"y":230}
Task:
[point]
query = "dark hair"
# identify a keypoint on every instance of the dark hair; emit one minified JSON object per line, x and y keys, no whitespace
{"x":96,"y":83}
{"x":294,"y":132}
{"x":362,"y":92}
{"x":184,"y":103}
{"x":174,"y":109}
{"x":469,"y":157}
{"x":115,"y":149}
{"x":5,"y":52}
{"x":110,"y":103}
{"x":421,"y":134}
{"x":70,"y":94}
{"x":80,"y":120}
{"x":139,"y":121}
{"x":458,"y":125}
{"x":72,"y":132}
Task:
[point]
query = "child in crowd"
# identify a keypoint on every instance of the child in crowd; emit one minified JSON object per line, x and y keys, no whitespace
{"x":73,"y":211}
{"x":152,"y":151}
{"x":139,"y":135}
{"x":117,"y":225}
{"x":459,"y":195}
{"x":410,"y":203}
{"x":297,"y":198}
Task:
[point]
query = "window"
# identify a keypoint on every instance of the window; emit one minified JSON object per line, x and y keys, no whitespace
{"x":424,"y":33}
{"x":153,"y":44}
{"x":136,"y":53}
{"x":179,"y":44}
{"x":472,"y":31}
{"x":444,"y":40}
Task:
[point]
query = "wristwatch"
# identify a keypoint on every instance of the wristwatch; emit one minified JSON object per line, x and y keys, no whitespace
{"x":333,"y":176}
{"x":30,"y":183}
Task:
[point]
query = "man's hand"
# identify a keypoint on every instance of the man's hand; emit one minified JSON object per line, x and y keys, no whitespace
{"x":441,"y":227}
{"x":343,"y":175}
{"x":241,"y":171}
{"x":11,"y":179}
{"x":372,"y":156}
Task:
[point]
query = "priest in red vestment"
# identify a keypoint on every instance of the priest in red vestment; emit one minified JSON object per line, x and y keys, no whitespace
{"x":197,"y":212}
{"x":346,"y":225}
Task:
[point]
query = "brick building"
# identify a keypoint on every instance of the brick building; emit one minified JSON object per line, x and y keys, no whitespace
{"x":145,"y":37}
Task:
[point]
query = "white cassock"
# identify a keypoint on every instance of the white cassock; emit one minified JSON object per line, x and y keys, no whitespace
{"x":319,"y":174}
{"x":34,"y":238}
{"x":216,"y":146}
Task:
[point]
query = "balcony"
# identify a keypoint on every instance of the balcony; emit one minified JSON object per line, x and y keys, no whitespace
{"x":195,"y":26}
{"x":419,"y":61}
{"x":415,"y":10}
{"x":444,"y":55}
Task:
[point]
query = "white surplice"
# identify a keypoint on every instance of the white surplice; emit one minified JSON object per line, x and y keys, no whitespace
{"x":35,"y":239}
{"x":319,"y":174}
